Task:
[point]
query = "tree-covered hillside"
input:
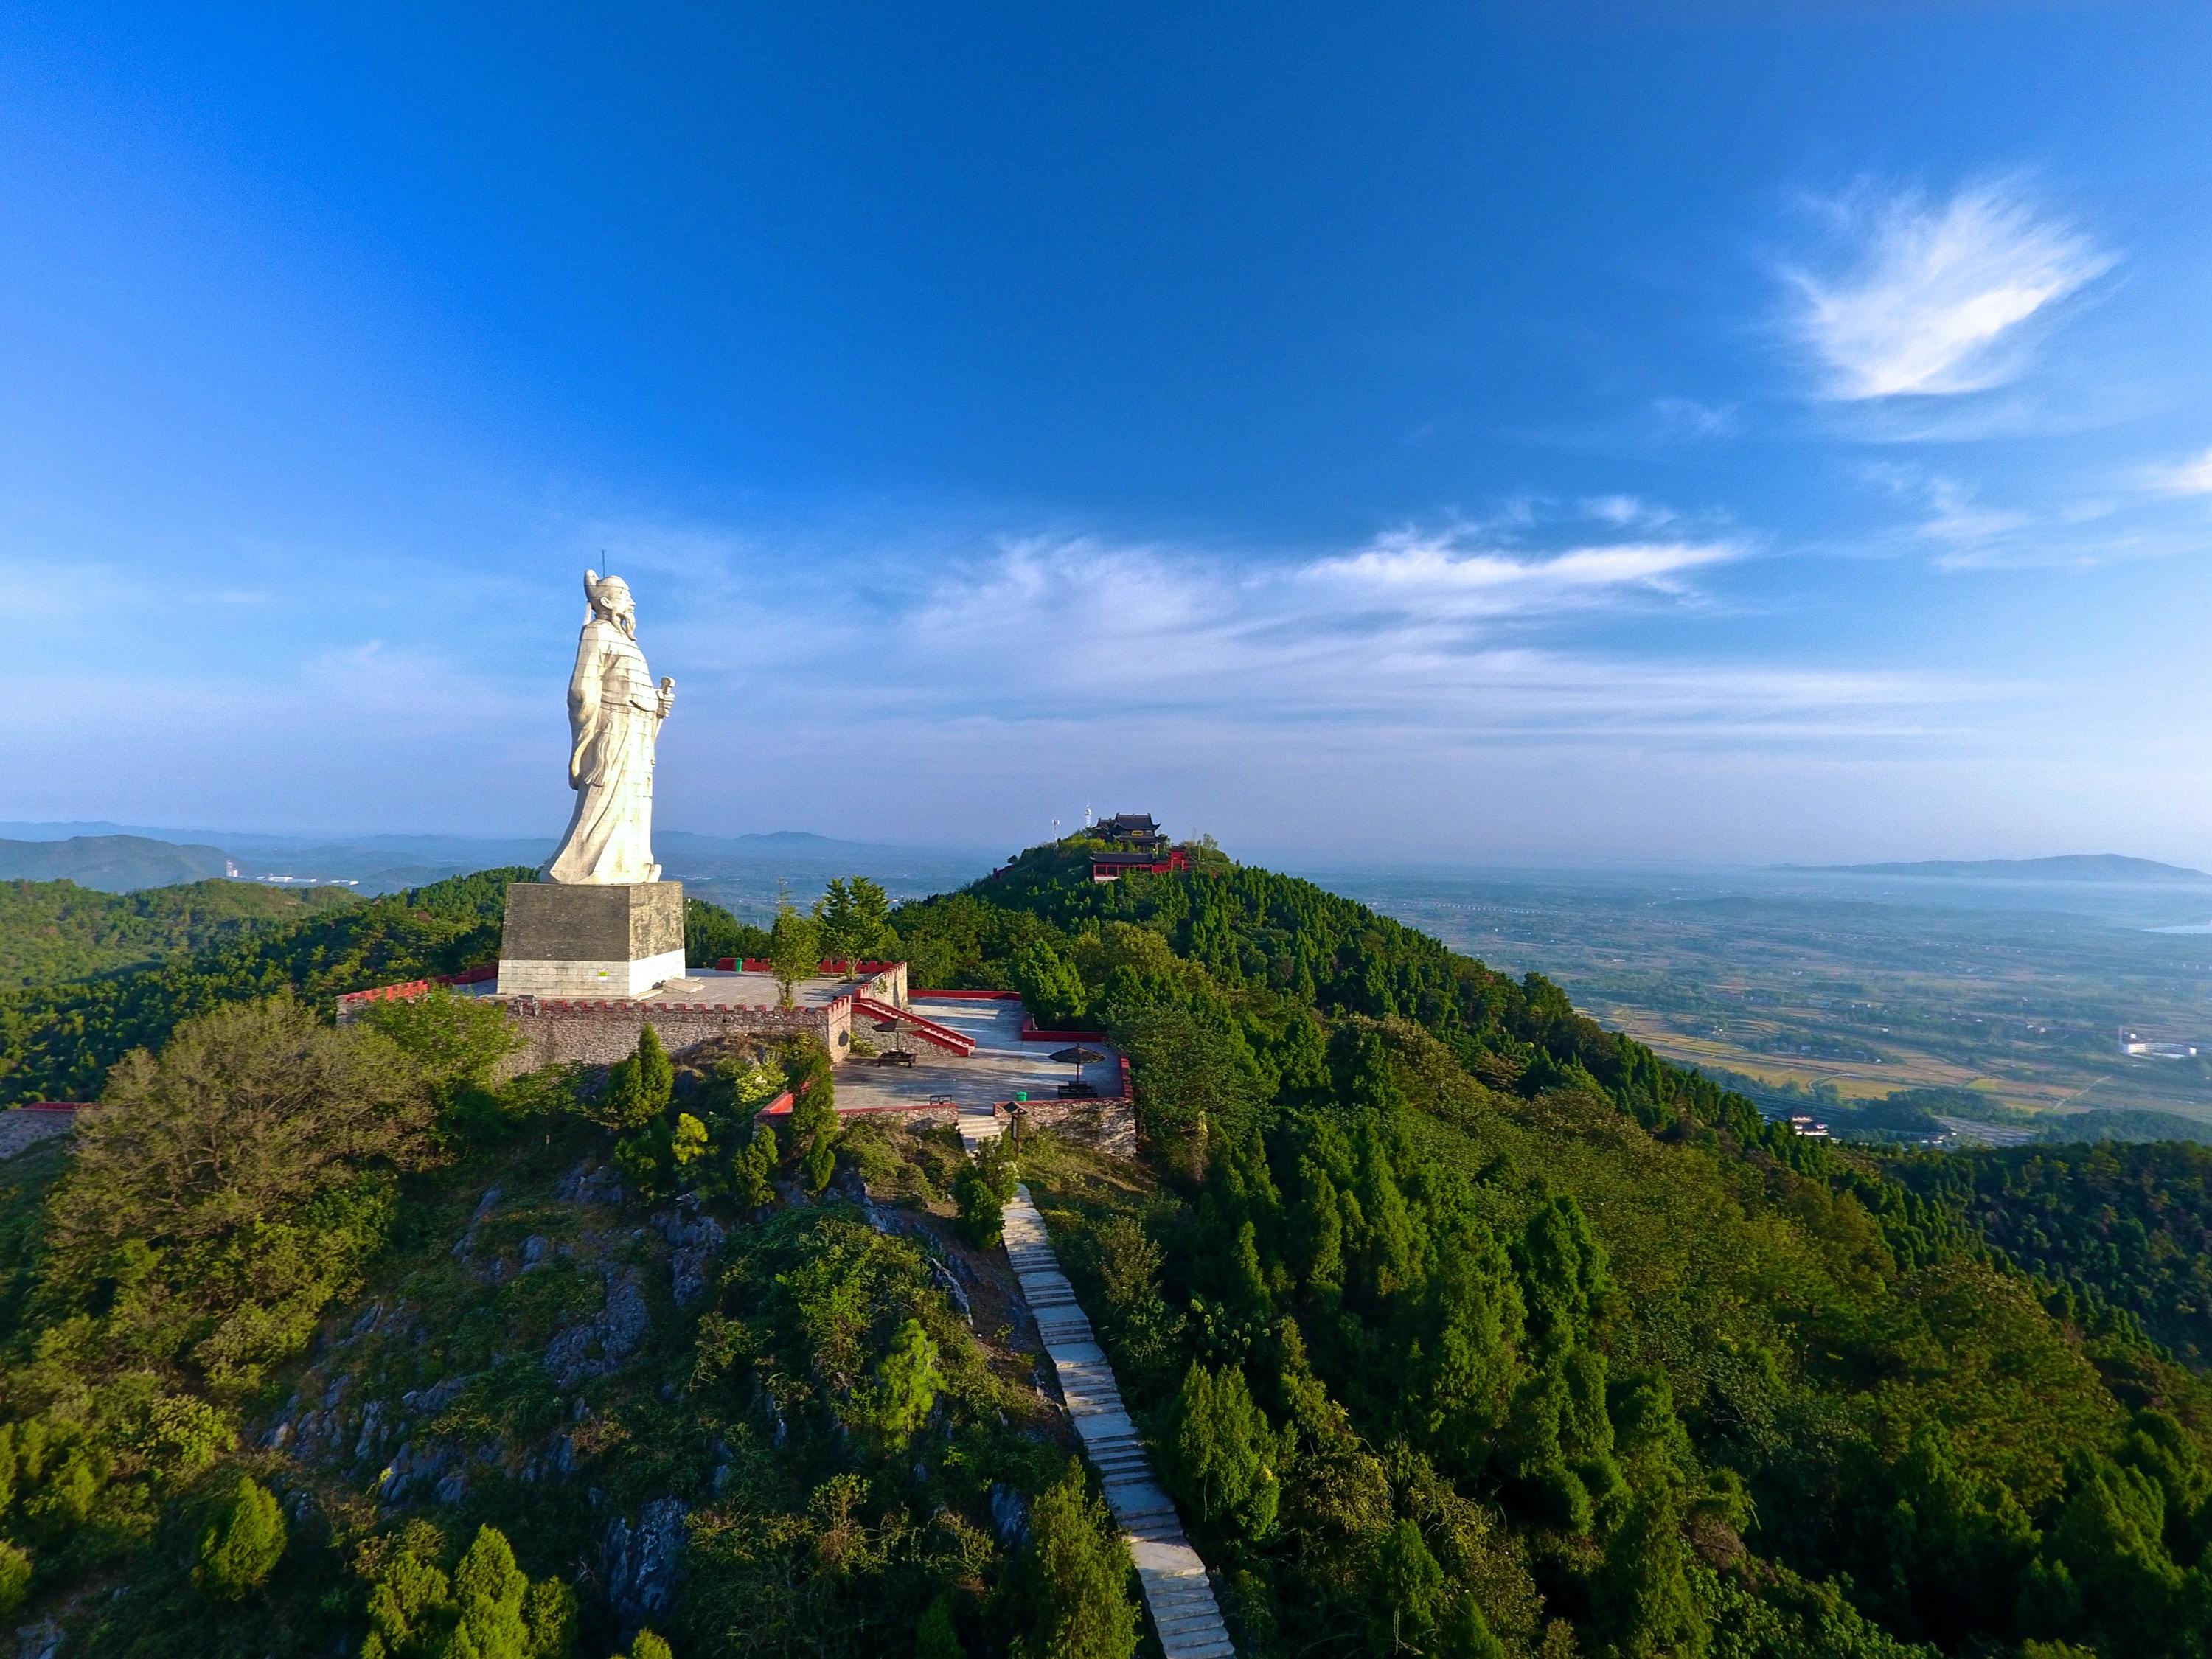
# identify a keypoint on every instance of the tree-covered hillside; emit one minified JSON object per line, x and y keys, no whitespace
{"x":1458,"y":1325}
{"x":2129,"y":1226}
{"x":57,"y":930}
{"x":58,"y":1039}
{"x":1498,"y":1306}
{"x":316,"y":1343}
{"x":59,"y":1035}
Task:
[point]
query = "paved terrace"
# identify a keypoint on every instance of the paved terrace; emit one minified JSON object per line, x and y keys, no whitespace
{"x":709,"y":986}
{"x":1002,"y":1067}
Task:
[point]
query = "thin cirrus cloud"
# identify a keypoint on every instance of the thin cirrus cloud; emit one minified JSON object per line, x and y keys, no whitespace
{"x":2191,"y":477}
{"x":1934,"y":299}
{"x":1416,"y":634}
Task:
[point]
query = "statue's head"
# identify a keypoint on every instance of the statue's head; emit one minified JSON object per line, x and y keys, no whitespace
{"x":609,"y":596}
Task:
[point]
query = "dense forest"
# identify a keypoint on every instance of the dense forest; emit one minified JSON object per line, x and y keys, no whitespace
{"x":1458,"y":1325}
{"x":52,"y":931}
{"x":58,"y":1037}
{"x":2128,"y":1226}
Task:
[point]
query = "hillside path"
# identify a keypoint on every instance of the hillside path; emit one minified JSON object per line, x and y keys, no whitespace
{"x":1173,"y":1577}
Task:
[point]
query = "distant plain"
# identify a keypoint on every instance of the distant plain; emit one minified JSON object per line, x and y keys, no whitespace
{"x":2015,"y":989}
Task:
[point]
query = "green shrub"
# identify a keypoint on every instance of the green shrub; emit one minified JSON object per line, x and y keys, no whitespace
{"x":937,"y":1635}
{"x":982,"y":1188}
{"x":243,"y":1545}
{"x":487,"y":1609}
{"x":639,"y":1088}
{"x":15,"y":1576}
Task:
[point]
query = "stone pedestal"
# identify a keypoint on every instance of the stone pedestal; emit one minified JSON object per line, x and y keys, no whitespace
{"x":570,"y":939}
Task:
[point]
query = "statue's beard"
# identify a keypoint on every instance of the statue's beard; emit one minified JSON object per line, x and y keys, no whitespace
{"x":625,"y":620}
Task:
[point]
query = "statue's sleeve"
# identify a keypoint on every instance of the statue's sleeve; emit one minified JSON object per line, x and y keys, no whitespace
{"x":583,"y":706}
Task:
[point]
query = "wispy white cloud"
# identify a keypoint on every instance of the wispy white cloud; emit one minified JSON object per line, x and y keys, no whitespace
{"x":1682,"y":420}
{"x":2042,"y":527}
{"x":1408,"y":568}
{"x":1420,"y":637}
{"x":1926,"y":298}
{"x":2190,"y":478}
{"x":1957,"y":517}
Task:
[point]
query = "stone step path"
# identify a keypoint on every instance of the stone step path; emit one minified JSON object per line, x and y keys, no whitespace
{"x":1175,"y":1586}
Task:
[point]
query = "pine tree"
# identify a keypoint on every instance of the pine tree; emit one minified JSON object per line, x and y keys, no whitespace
{"x":1472,"y":1363}
{"x":982,"y":1188}
{"x":853,"y":917}
{"x":1317,"y":1229}
{"x":1077,"y":1578}
{"x":755,"y":1167}
{"x":1409,"y":1590}
{"x":1221,"y":1449}
{"x":244,"y":1545}
{"x":1387,"y":1245}
{"x":15,"y":1576}
{"x":907,"y":1383}
{"x":548,"y":1616}
{"x":937,"y":1635}
{"x":488,"y":1591}
{"x":1564,"y":1278}
{"x":1467,"y":1634}
{"x":656,"y":1072}
{"x":1643,"y":1596}
{"x":639,"y":1088}
{"x":1050,"y":987}
{"x":814,"y":1119}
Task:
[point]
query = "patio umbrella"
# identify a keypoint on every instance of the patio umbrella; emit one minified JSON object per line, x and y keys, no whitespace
{"x":1078,"y":1057}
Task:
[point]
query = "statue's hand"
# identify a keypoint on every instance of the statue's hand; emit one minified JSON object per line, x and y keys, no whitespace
{"x":667,"y":695}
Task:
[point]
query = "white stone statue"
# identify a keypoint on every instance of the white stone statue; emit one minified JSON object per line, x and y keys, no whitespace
{"x":614,"y":713}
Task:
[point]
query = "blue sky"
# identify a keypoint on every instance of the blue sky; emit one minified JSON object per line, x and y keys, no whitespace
{"x":1574,"y":430}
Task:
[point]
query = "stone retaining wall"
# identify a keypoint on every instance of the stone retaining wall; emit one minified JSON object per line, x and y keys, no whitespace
{"x":556,"y":1032}
{"x":1109,"y":1125}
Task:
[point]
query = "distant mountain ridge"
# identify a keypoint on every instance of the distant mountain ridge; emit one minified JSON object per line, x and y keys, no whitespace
{"x":113,"y":864}
{"x":2066,"y":866}
{"x":116,"y":859}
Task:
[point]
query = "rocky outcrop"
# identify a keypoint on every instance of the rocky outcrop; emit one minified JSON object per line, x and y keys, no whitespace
{"x":590,"y":1183}
{"x":695,"y":1238}
{"x":595,"y":1347}
{"x":641,"y":1565}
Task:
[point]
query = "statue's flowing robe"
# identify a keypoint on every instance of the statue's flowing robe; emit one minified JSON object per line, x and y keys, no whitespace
{"x":614,"y":715}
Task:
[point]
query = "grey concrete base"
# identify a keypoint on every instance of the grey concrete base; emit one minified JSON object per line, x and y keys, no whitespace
{"x":571,"y":980}
{"x":576,"y":940}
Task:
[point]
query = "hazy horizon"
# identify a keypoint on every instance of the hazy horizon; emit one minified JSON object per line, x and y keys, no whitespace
{"x":1312,"y":862}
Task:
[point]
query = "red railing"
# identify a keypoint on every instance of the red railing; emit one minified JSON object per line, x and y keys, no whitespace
{"x":957,"y":1042}
{"x":417,"y":987}
{"x":1032,"y":1033}
{"x":966,"y":996}
{"x":839,"y":967}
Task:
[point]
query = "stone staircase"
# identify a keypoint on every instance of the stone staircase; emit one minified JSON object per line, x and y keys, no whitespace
{"x":1176,"y":1589}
